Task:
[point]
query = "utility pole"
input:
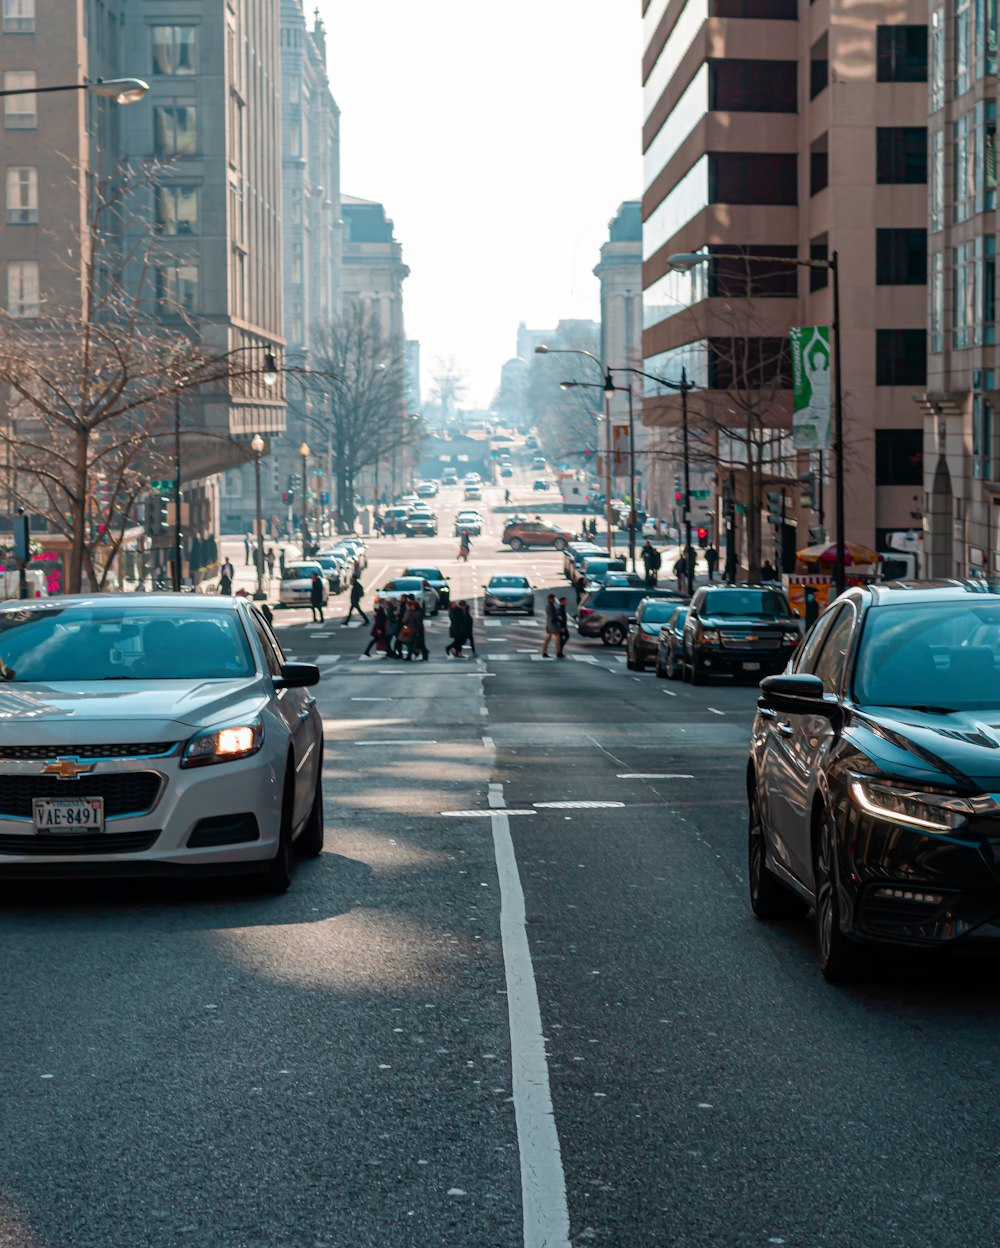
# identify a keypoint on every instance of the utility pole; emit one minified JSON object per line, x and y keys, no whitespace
{"x":177,"y":492}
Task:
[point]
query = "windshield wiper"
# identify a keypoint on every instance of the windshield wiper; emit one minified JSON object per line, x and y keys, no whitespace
{"x":930,"y":710}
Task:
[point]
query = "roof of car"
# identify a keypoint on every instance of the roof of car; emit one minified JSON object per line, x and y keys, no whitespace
{"x":887,"y":592}
{"x":164,"y":598}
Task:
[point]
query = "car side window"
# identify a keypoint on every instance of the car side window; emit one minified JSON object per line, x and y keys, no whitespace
{"x":833,"y":655}
{"x":813,"y":640}
{"x":272,"y":651}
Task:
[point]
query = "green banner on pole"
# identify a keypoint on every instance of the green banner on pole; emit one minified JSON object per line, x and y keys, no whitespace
{"x":811,"y":387}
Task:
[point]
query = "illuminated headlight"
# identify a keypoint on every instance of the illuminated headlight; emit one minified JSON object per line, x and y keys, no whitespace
{"x":224,"y":745}
{"x":789,"y":639}
{"x":711,"y":637}
{"x":914,"y":808}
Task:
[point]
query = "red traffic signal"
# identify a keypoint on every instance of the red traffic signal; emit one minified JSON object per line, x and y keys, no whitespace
{"x":678,"y":497}
{"x":703,"y":535}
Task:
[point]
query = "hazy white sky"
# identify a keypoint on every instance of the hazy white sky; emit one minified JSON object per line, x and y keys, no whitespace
{"x":501,"y":137}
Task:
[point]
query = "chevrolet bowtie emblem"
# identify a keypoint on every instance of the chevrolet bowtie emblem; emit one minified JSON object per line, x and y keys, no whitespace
{"x":67,"y":768}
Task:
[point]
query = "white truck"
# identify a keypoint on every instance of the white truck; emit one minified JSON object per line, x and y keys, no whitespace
{"x":576,"y":496}
{"x":10,"y":584}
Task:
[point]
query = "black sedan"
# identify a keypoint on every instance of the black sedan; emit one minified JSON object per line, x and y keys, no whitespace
{"x":508,"y":593}
{"x":738,"y":630}
{"x":874,"y":774}
{"x":438,"y":581}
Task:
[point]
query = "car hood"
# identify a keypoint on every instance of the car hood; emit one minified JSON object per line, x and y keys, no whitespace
{"x":508,"y":591}
{"x":962,"y":748}
{"x":763,"y":622}
{"x":123,"y":710}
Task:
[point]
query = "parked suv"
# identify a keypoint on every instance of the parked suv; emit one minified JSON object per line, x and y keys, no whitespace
{"x":644,"y":633}
{"x":520,"y":534}
{"x":738,"y":629}
{"x":605,"y":613}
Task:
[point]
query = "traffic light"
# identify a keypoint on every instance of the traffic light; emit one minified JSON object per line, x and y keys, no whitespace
{"x":678,"y":497}
{"x":809,"y":493}
{"x":288,"y":496}
{"x":775,"y":507}
{"x":703,"y":537}
{"x":589,"y":454}
{"x":164,"y":511}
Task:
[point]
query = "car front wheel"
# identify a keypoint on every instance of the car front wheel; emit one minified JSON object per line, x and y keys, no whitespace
{"x":278,"y":876}
{"x":516,"y":544}
{"x":768,"y":898}
{"x":310,"y":842}
{"x":840,"y":959}
{"x":612,"y":634}
{"x":559,"y":544}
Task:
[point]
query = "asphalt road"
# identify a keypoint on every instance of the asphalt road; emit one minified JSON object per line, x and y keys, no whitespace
{"x":381,"y":1058}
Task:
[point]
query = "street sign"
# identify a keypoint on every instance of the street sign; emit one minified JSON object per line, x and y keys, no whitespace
{"x":163,"y":487}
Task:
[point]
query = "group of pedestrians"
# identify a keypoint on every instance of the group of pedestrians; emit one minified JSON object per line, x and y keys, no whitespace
{"x":398,"y":629}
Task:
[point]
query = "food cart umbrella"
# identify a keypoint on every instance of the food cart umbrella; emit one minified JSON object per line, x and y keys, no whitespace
{"x":854,"y":553}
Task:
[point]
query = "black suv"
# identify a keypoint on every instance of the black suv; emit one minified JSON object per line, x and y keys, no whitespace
{"x":738,"y":629}
{"x":605,"y":613}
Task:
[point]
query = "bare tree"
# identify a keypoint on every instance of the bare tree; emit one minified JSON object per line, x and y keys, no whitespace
{"x":91,"y":386}
{"x":363,"y":415}
{"x":567,"y":420}
{"x":449,"y":387}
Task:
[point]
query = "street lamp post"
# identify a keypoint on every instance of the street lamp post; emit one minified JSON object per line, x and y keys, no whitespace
{"x":609,"y":389}
{"x":685,"y":261}
{"x":257,"y":446}
{"x":121,"y":90}
{"x":304,"y":452}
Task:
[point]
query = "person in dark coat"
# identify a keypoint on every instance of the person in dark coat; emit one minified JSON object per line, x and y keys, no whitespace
{"x":357,"y":593}
{"x":379,"y":628}
{"x":393,"y":623}
{"x":563,"y":618}
{"x":413,"y":625}
{"x":456,"y":631}
{"x":712,"y":561}
{"x":468,"y":635}
{"x":316,"y":596}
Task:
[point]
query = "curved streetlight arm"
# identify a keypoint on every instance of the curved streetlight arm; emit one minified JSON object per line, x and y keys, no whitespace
{"x":121,"y":90}
{"x":609,"y":385}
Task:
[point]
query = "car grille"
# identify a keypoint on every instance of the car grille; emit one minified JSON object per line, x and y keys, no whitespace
{"x":742,"y":641}
{"x":87,"y":843}
{"x":126,"y":793}
{"x":45,"y":753}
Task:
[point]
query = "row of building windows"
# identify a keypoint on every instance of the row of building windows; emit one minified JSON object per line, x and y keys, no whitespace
{"x":177,"y":289}
{"x":18,"y":17}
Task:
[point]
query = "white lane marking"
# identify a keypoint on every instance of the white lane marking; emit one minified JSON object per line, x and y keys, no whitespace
{"x":545,"y":1214}
{"x":326,"y":658}
{"x":315,"y":624}
{"x":584,"y":658}
{"x":483,"y":710}
{"x":671,"y":693}
{"x":315,"y":635}
{"x":489,"y":743}
{"x":499,"y":658}
{"x":482,"y":814}
{"x":715,"y":712}
{"x":576,"y":805}
{"x":654,"y":775}
{"x":371,"y":699}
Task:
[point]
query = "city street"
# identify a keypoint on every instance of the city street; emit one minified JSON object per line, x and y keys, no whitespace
{"x":380,"y":1057}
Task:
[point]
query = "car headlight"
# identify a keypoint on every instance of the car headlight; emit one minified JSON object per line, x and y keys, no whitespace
{"x":789,"y":638}
{"x":710,"y":637}
{"x":914,"y":808}
{"x":224,"y":745}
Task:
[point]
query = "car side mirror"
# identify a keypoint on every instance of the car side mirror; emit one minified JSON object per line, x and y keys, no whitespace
{"x":633,"y":619}
{"x":797,"y":692}
{"x":297,"y":676}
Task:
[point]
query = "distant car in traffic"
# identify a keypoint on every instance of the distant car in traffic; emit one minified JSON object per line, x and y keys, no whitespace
{"x":418,"y":586}
{"x":394,"y":520}
{"x":606,"y":612}
{"x":334,"y":569}
{"x":421,"y":524}
{"x":503,"y":594}
{"x":506,"y":470}
{"x":470,"y":522}
{"x":593,"y":568}
{"x":874,"y":775}
{"x":426,"y":489}
{"x":167,"y":736}
{"x":295,"y":587}
{"x":738,"y":630}
{"x":473,"y":493}
{"x":670,"y":646}
{"x":575,"y":553}
{"x":541,"y":483}
{"x":436,"y":579}
{"x":644,"y":631}
{"x":520,"y":534}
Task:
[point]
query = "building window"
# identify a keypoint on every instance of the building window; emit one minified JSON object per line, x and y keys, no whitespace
{"x":734,"y":274}
{"x":756,"y":10}
{"x":982,"y":438}
{"x":20,"y":111}
{"x":295,"y":272}
{"x":901,"y":53}
{"x":752,"y":178}
{"x":984,"y":276}
{"x":737,"y":86}
{"x":22,"y":288}
{"x":175,"y":129}
{"x":900,"y":357}
{"x":175,"y":50}
{"x":749,"y":364}
{"x":22,"y":196}
{"x":935,"y":281}
{"x":819,"y":165}
{"x":177,"y":289}
{"x":901,"y":154}
{"x":963,"y":33}
{"x":935,"y":52}
{"x":819,"y":277}
{"x":962,"y":296}
{"x":936,"y":172}
{"x":18,"y":17}
{"x":899,"y":456}
{"x":177,"y":210}
{"x":819,"y":66}
{"x":900,"y":257}
{"x":985,"y":162}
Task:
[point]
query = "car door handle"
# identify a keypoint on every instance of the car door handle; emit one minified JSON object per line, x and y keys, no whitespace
{"x":783,"y":729}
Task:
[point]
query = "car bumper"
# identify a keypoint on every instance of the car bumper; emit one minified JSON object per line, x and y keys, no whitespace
{"x":742,"y":661}
{"x":238,"y":804}
{"x":511,"y":606}
{"x":907,"y":887}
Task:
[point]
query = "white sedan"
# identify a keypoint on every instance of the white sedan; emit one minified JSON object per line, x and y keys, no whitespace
{"x":468,"y":520}
{"x":296,"y":583}
{"x":154,"y":735}
{"x":413,"y":585}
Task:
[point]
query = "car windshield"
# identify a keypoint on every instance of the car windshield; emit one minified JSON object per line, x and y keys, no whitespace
{"x":945,"y":655}
{"x":86,"y":643}
{"x":298,"y":571}
{"x":508,"y":582}
{"x":428,"y":574}
{"x":657,"y":612}
{"x":745,"y":602}
{"x":409,"y":584}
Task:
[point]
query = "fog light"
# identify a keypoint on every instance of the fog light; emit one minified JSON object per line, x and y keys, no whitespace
{"x":907,"y":894}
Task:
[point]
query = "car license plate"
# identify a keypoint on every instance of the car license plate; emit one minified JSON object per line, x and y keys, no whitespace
{"x":751,"y":667}
{"x":71,"y":814}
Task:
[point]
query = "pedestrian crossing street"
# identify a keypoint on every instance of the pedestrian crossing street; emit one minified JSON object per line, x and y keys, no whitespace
{"x":345,"y":660}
